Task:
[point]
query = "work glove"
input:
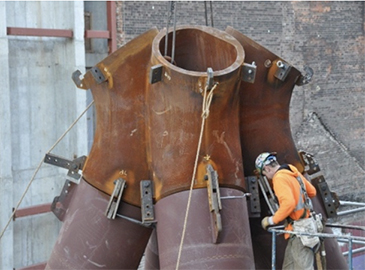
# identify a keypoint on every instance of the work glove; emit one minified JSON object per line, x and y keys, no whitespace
{"x":266,"y":222}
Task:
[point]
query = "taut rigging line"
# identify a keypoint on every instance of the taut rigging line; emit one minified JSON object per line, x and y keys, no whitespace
{"x":39,"y":166}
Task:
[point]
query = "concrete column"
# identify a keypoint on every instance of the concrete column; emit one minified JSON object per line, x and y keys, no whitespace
{"x":6,"y":178}
{"x":79,"y":63}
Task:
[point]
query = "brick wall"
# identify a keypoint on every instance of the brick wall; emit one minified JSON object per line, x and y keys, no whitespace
{"x":327,"y":36}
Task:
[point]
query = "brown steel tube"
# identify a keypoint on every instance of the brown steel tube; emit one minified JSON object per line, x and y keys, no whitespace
{"x":175,"y":109}
{"x":151,"y":254}
{"x":88,"y":240}
{"x":174,"y":122}
{"x":199,"y":252}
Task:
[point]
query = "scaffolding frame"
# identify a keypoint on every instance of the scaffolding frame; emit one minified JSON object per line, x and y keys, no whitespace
{"x":341,"y":238}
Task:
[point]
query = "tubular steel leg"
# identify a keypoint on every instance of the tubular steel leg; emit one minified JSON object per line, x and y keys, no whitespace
{"x":151,"y":254}
{"x":89,"y":240}
{"x":234,"y":251}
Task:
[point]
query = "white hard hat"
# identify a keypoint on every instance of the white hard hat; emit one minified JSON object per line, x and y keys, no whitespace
{"x":264,"y":159}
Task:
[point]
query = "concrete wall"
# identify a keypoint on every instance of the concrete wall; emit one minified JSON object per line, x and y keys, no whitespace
{"x":328,"y":36}
{"x":38,"y":102}
{"x":98,"y":21}
{"x":6,"y":244}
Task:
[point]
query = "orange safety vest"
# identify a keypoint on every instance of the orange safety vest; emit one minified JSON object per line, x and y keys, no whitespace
{"x":288,"y":191}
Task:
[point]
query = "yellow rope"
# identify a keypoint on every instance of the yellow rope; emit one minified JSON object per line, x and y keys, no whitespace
{"x":39,"y":166}
{"x":207,"y":100}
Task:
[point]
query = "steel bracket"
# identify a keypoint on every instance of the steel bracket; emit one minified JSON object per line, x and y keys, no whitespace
{"x":249,"y":72}
{"x":215,"y":204}
{"x":115,"y":198}
{"x":306,"y":78}
{"x":156,"y":73}
{"x":72,"y":166}
{"x":210,"y":78}
{"x":283,"y":70}
{"x":78,"y":82}
{"x":310,"y":164}
{"x":60,"y":203}
{"x":315,"y":174}
{"x":98,"y":75}
{"x":148,"y":214}
{"x":254,"y":206}
{"x":326,"y":195}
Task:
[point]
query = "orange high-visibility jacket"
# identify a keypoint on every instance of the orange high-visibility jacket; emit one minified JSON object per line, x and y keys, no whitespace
{"x":287,"y":190}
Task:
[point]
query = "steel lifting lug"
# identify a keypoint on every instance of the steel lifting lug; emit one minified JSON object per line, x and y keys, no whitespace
{"x":79,"y":82}
{"x":72,"y":166}
{"x":214,"y":198}
{"x":306,"y":78}
{"x":101,"y":74}
{"x":249,"y":72}
{"x":210,"y":78}
{"x":156,"y":73}
{"x":282,"y":70}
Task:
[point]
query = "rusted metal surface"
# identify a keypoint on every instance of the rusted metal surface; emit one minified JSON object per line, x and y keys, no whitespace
{"x":175,"y":109}
{"x":88,"y":240}
{"x":151,"y":254}
{"x":199,"y":252}
{"x":264,"y":108}
{"x":148,"y":114}
{"x":119,"y":148}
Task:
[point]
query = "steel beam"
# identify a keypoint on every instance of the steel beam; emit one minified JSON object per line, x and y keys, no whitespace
{"x":97,"y":34}
{"x":112,"y":25}
{"x":33,"y":210}
{"x":39,"y":266}
{"x":39,"y":32}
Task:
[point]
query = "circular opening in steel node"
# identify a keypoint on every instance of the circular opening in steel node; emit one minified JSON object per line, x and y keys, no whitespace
{"x":196,"y":50}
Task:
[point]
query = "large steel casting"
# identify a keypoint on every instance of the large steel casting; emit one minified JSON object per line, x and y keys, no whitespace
{"x":192,"y":125}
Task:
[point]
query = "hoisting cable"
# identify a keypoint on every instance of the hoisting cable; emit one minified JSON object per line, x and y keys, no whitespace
{"x":169,"y":5}
{"x":173,"y":36}
{"x":206,"y":13}
{"x":211,"y":13}
{"x":171,"y":12}
{"x":39,"y":166}
{"x":207,"y":100}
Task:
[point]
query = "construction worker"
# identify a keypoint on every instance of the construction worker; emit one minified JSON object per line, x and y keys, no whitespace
{"x":288,"y":190}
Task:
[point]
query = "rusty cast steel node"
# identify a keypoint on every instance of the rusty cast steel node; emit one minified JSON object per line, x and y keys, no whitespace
{"x":151,"y":103}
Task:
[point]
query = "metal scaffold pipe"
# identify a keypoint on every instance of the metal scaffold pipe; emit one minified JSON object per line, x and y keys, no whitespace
{"x":342,"y":203}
